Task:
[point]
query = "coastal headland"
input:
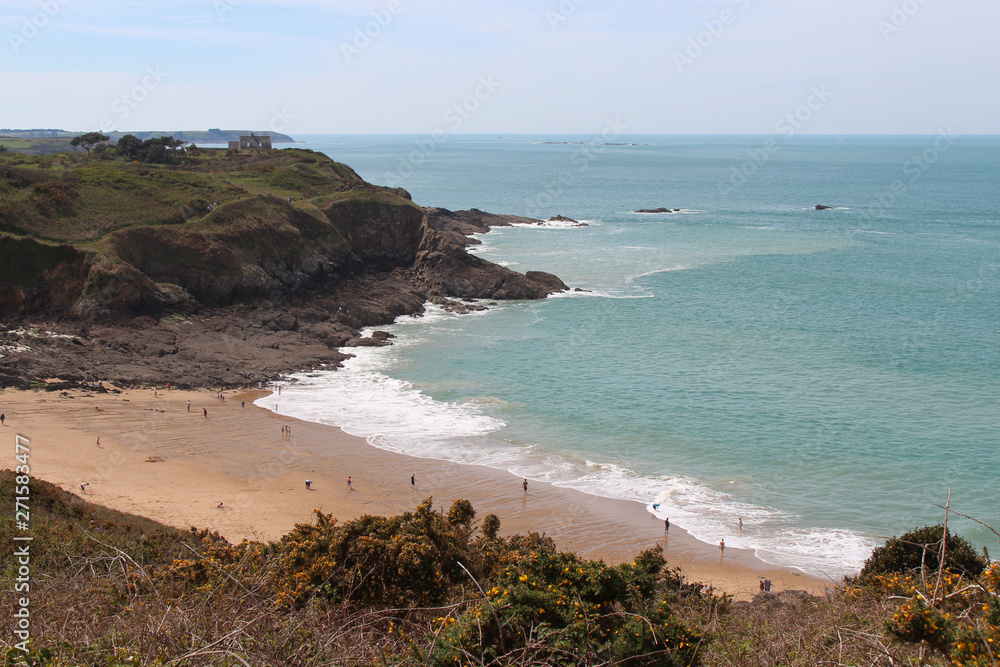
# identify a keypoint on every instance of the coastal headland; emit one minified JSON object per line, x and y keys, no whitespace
{"x":215,"y":271}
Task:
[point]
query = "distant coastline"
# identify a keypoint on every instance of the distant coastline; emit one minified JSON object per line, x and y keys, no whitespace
{"x":51,"y":141}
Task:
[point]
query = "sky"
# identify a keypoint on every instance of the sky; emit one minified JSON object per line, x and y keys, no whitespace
{"x":516,"y":66}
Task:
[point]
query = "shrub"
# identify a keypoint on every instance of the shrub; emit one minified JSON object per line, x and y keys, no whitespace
{"x":921,"y":547}
{"x":491,"y":526}
{"x":554,"y":608}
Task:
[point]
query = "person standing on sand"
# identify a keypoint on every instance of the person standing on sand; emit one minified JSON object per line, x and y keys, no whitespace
{"x":3,"y":418}
{"x":666,"y":525}
{"x":308,"y":484}
{"x":154,"y":392}
{"x":98,"y":441}
{"x":205,"y":410}
{"x":524,"y":485}
{"x":189,"y":406}
{"x":243,"y":404}
{"x":349,"y":487}
{"x":722,"y":547}
{"x":413,"y":481}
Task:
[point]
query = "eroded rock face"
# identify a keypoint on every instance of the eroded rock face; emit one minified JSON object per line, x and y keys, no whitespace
{"x":443,"y":268}
{"x":459,"y":226}
{"x":257,"y":287}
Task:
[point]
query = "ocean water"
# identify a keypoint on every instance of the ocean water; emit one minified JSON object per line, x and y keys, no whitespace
{"x":827,"y":376}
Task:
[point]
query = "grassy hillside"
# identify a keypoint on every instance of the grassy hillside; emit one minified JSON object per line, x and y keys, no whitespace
{"x":73,"y":198}
{"x":223,"y":225}
{"x":39,"y":145}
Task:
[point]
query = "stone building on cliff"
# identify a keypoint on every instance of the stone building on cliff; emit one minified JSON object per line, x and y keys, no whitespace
{"x":252,"y":143}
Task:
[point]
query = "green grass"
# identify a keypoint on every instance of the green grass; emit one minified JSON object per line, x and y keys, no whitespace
{"x":104,"y":196}
{"x":41,"y":146}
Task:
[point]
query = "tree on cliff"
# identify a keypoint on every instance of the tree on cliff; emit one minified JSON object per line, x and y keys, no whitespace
{"x":129,"y":146}
{"x":88,"y":140}
{"x":151,"y":150}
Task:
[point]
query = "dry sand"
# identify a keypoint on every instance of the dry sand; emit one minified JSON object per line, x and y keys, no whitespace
{"x":159,"y":460}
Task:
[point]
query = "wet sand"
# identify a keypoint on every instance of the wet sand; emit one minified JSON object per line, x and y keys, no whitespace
{"x":159,"y":460}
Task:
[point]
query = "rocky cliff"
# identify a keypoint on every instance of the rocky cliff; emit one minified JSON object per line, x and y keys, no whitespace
{"x":248,"y":242}
{"x":282,"y":242}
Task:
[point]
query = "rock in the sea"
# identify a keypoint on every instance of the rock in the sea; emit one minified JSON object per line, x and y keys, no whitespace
{"x":658,"y":210}
{"x":563,"y":218}
{"x":821,"y":207}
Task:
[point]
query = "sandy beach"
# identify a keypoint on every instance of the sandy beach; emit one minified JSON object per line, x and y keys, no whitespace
{"x":160,"y":459}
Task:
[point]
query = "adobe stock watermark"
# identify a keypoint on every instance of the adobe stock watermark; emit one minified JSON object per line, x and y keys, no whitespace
{"x":901,"y":14}
{"x":363,"y":35}
{"x":715,"y":28}
{"x":454,"y":117}
{"x":32,"y":25}
{"x":565,"y":9}
{"x":579,"y":163}
{"x":223,"y":7}
{"x":913,"y":170}
{"x":788,"y":125}
{"x":280,"y":119}
{"x":123,"y":106}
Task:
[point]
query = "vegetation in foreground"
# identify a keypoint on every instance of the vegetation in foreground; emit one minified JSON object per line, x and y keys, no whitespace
{"x":437,"y":588}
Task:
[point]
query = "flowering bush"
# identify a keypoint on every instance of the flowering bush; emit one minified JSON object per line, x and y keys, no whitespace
{"x":554,"y":608}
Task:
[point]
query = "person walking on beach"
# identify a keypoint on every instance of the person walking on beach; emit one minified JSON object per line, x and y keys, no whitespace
{"x":98,"y":441}
{"x":205,"y":410}
{"x":154,"y":392}
{"x":524,"y":485}
{"x":243,"y":404}
{"x":722,"y":547}
{"x":666,"y":525}
{"x":413,"y":481}
{"x":349,"y":488}
{"x":741,"y":524}
{"x":3,"y":418}
{"x":189,"y":406}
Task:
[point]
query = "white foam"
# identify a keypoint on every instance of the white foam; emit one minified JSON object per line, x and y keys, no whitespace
{"x":397,"y":416}
{"x":548,"y":224}
{"x":654,"y":272}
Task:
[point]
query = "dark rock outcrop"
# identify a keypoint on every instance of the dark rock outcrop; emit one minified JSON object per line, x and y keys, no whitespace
{"x":562,"y":218}
{"x":274,"y":286}
{"x":821,"y":207}
{"x":459,"y":226}
{"x":659,"y":210}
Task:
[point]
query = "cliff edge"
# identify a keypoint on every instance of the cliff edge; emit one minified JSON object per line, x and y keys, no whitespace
{"x":286,"y":240}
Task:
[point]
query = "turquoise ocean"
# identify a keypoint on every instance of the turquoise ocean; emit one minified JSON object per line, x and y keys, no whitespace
{"x":827,"y":376}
